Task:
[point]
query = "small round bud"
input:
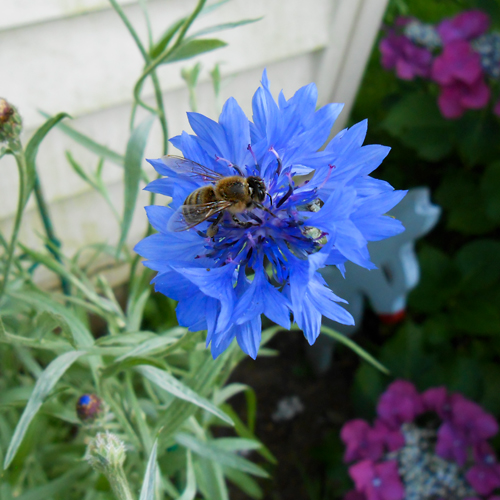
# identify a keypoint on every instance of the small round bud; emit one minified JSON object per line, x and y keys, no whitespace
{"x":88,"y":407}
{"x":11,"y":123}
{"x":106,"y":452}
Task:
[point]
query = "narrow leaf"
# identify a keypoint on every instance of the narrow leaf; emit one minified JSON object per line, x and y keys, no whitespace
{"x":192,"y":48}
{"x":222,"y":27}
{"x":133,"y":160}
{"x":355,"y":347}
{"x":162,"y":43}
{"x":32,"y":147}
{"x":212,"y":452}
{"x":152,"y":345}
{"x":43,"y":386}
{"x":178,"y":389}
{"x":190,"y":492}
{"x":90,"y":144}
{"x":148,"y":484}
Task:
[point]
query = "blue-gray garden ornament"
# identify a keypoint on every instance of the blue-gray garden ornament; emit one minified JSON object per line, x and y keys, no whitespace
{"x":387,"y":287}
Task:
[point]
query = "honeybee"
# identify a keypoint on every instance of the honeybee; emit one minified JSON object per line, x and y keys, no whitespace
{"x":234,"y":194}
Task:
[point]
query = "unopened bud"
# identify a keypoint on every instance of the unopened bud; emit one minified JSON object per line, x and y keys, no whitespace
{"x":11,"y":123}
{"x":106,"y":452}
{"x":88,"y":407}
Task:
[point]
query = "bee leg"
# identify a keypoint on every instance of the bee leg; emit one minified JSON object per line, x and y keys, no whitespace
{"x":262,"y":207}
{"x":244,"y":225}
{"x":213,"y":228}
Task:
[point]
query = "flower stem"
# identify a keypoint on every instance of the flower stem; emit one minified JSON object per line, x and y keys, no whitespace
{"x":49,"y":230}
{"x":119,"y":485}
{"x":21,"y":203}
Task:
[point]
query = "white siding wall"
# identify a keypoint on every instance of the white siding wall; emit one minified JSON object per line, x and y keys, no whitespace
{"x":76,"y":56}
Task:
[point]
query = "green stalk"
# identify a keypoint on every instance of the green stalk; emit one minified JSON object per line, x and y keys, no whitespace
{"x":49,"y":230}
{"x":21,"y":203}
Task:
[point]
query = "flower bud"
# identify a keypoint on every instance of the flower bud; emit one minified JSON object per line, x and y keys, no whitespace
{"x":88,"y":407}
{"x":106,"y":452}
{"x":10,"y":122}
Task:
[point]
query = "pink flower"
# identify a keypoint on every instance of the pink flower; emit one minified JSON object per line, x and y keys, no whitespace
{"x":454,"y":100}
{"x":484,"y":477}
{"x":465,"y":26}
{"x":457,"y":62}
{"x":401,"y":53}
{"x":354,"y":495}
{"x":451,"y":444}
{"x":378,"y":481}
{"x":392,"y":438}
{"x":458,"y":70}
{"x":436,"y":399}
{"x":361,"y":441}
{"x":496,"y":110}
{"x":472,"y":420}
{"x":399,"y":403}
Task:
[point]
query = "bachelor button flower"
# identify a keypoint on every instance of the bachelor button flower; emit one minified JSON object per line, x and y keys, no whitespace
{"x":267,"y":260}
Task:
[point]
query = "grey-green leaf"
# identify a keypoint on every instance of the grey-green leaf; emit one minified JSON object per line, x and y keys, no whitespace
{"x":133,"y":161}
{"x":212,"y":452}
{"x":148,"y":484}
{"x":222,"y":27}
{"x":355,"y":347}
{"x":33,"y":145}
{"x":192,"y":48}
{"x":173,"y":386}
{"x":90,"y":144}
{"x":190,"y":491}
{"x":43,"y":386}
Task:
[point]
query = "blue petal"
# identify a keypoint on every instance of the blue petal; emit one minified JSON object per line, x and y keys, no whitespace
{"x":237,"y":129}
{"x":350,"y":139}
{"x":216,"y":283}
{"x":379,"y":227}
{"x":262,"y":297}
{"x":378,"y":204}
{"x":159,"y":216}
{"x":248,"y":336}
{"x":211,"y":133}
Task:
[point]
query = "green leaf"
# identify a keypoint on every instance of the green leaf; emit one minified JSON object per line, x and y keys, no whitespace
{"x":61,"y":485}
{"x":162,"y":43}
{"x":133,"y":161}
{"x":479,"y":263}
{"x":490,"y":189}
{"x":243,"y":481}
{"x":90,"y":144}
{"x":48,"y":379}
{"x":178,"y":389}
{"x":189,"y":492}
{"x":417,"y":122}
{"x":211,"y":452}
{"x":222,"y":27}
{"x":459,"y":193}
{"x":192,"y":48}
{"x":439,"y":277}
{"x":33,"y":145}
{"x":43,"y":301}
{"x":155,"y":344}
{"x":236,"y":444}
{"x":148,"y":484}
{"x":355,"y":347}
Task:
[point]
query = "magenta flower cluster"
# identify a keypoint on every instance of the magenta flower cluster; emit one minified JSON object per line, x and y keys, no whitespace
{"x":446,"y":455}
{"x":458,"y":54}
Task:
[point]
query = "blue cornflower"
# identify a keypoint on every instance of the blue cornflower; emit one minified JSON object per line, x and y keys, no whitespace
{"x":265,"y":260}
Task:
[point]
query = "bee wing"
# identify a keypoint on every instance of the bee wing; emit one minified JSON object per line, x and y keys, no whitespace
{"x":190,"y":168}
{"x":197,"y":214}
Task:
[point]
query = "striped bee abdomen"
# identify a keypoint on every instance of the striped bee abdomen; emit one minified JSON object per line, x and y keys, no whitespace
{"x":194,"y":208}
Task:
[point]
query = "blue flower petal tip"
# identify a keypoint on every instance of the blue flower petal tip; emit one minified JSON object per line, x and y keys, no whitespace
{"x":244,"y":235}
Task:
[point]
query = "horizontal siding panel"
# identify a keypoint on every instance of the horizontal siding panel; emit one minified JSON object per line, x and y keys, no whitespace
{"x":86,"y":63}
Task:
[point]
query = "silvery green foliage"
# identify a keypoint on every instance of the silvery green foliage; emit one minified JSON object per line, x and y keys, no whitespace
{"x":153,"y":382}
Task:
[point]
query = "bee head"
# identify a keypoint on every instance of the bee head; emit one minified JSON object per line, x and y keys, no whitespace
{"x":257,"y":188}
